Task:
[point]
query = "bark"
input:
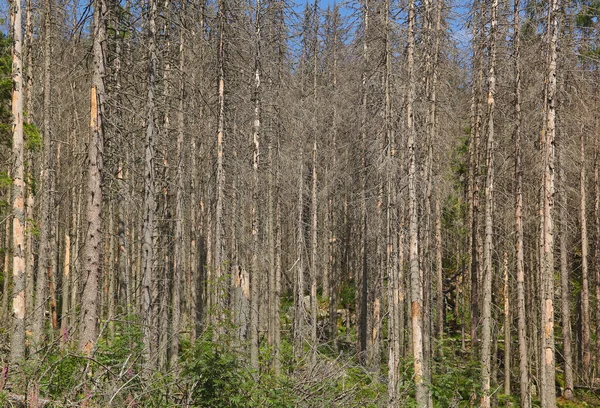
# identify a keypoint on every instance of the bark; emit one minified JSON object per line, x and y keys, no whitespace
{"x":66,"y":288}
{"x":547,"y":358}
{"x":330,"y":280}
{"x":565,"y":291}
{"x":314,"y":257}
{"x":17,"y":349}
{"x":255,"y":276}
{"x":362,"y":287}
{"x":432,"y":136}
{"x":149,"y":306}
{"x":474,"y":193}
{"x":422,"y":392}
{"x":507,"y":324}
{"x":220,"y":179}
{"x":32,"y":156}
{"x":391,"y":261}
{"x":519,"y":251}
{"x":92,"y":253}
{"x":299,"y":309}
{"x":487,"y":321}
{"x":46,"y":248}
{"x":585,"y":291}
{"x":313,"y":201}
{"x":178,"y":263}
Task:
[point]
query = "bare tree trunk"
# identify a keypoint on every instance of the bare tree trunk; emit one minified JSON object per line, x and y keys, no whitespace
{"x":520,"y":263}
{"x":565,"y":291}
{"x":66,"y":288}
{"x":487,"y":323}
{"x":46,"y":247}
{"x":7,"y":238}
{"x":92,"y":263}
{"x":299,"y":308}
{"x":439,"y":296}
{"x":17,"y":349}
{"x":474,"y":193}
{"x":548,"y":395}
{"x":32,"y":157}
{"x":148,"y":279}
{"x":507,"y":324}
{"x":314,"y":257}
{"x":178,"y":263}
{"x":255,"y":276}
{"x":391,"y":261}
{"x":415,"y":275}
{"x":331,"y":282}
{"x":362,"y":280}
{"x":585,"y":291}
{"x":218,"y":250}
{"x":277,"y":295}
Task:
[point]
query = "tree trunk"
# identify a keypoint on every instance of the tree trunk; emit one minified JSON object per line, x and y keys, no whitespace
{"x":17,"y":350}
{"x":299,"y":308}
{"x":92,"y":256}
{"x":565,"y":291}
{"x":255,"y":276}
{"x":585,"y":291}
{"x":32,"y":157}
{"x":220,"y":179}
{"x":520,"y":263}
{"x":46,"y":247}
{"x":415,"y":275}
{"x":548,"y":395}
{"x":148,"y":279}
{"x":507,"y":324}
{"x":178,"y":262}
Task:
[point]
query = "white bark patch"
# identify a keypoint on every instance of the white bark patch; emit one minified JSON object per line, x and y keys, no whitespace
{"x":19,"y":305}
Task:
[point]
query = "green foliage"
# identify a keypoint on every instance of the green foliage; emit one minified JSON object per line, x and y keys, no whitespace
{"x":455,"y":375}
{"x":217,"y":378}
{"x":348,"y":296}
{"x":5,"y":90}
{"x":33,"y":137}
{"x":64,"y":374}
{"x":216,"y":373}
{"x":5,"y":179}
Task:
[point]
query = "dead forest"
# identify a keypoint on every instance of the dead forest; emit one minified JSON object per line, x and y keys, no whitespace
{"x":261,"y":203}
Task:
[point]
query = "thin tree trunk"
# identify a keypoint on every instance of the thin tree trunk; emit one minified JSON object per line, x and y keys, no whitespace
{"x":299,"y":308}
{"x":92,"y":263}
{"x":178,"y":266}
{"x":32,"y":156}
{"x":314,"y":257}
{"x":148,"y":279}
{"x":220,"y":180}
{"x":46,"y":248}
{"x":487,"y":322}
{"x":548,"y":395}
{"x":331,"y":283}
{"x":507,"y":324}
{"x":66,"y":288}
{"x":17,"y":350}
{"x":391,"y":261}
{"x":255,"y":276}
{"x":585,"y":291}
{"x":362,"y":287}
{"x":474,"y":193}
{"x":519,"y":255}
{"x":415,"y":275}
{"x":565,"y":291}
